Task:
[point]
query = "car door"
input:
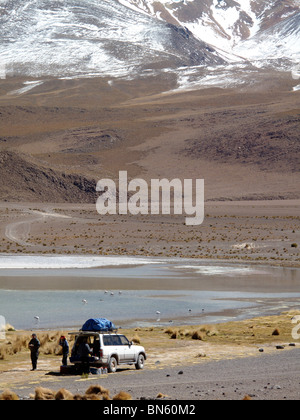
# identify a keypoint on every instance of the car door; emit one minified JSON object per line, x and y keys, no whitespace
{"x":127,"y":350}
{"x":112,"y":345}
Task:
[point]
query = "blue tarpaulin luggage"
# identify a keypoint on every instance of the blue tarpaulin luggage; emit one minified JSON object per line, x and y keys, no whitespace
{"x":98,"y":324}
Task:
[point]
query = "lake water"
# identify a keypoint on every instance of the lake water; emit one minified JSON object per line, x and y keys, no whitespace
{"x":65,"y":291}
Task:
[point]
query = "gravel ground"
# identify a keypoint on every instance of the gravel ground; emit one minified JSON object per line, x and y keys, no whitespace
{"x":272,"y":377}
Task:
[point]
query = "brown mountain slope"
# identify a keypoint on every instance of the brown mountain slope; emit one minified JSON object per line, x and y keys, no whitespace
{"x":22,"y":180}
{"x":56,"y":139}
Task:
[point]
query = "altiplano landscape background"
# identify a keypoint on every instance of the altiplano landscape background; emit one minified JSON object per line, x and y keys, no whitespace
{"x":193,"y":89}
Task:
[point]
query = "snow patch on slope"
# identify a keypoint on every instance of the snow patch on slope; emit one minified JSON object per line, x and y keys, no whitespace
{"x":89,"y":37}
{"x":252,"y":29}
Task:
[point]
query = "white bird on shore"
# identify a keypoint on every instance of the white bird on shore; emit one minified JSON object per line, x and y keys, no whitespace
{"x":84,"y":301}
{"x":157,"y":313}
{"x":37,"y":318}
{"x":111,"y":293}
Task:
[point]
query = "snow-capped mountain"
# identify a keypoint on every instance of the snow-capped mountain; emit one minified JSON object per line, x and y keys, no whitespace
{"x":200,"y":42}
{"x":92,"y":37}
{"x":253,"y":29}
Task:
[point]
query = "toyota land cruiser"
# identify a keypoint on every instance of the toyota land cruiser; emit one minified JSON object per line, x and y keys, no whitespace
{"x":109,"y":350}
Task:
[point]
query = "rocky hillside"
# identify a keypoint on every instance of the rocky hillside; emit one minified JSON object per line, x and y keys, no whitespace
{"x":26,"y":181}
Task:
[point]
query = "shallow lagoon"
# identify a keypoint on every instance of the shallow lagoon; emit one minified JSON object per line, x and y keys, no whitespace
{"x":183,"y":291}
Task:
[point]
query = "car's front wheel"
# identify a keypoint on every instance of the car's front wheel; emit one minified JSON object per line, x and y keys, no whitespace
{"x":140,"y":362}
{"x":112,"y":366}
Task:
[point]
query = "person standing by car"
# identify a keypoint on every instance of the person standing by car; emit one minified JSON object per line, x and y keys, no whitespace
{"x":34,"y":346}
{"x":63,"y":342}
{"x":84,"y":351}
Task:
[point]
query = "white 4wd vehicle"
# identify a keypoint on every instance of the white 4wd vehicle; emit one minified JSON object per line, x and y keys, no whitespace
{"x":109,"y":350}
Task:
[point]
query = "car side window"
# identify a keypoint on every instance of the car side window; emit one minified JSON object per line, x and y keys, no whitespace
{"x":124,"y":340}
{"x":111,"y":340}
{"x":116,"y":340}
{"x":107,"y":340}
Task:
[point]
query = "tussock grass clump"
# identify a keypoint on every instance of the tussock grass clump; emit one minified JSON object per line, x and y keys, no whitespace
{"x":191,"y":334}
{"x":122,"y":396}
{"x":9,"y":328}
{"x":2,"y":354}
{"x":44,"y":394}
{"x":85,"y":397}
{"x":175,"y":335}
{"x":49,"y":343}
{"x":136,"y":339}
{"x":197,"y":335}
{"x":92,"y":397}
{"x":8,"y":395}
{"x":20,"y":343}
{"x":94,"y":392}
{"x":172,"y":332}
{"x":169,"y":331}
{"x":13,"y":345}
{"x":64,"y":394}
{"x":99,"y":391}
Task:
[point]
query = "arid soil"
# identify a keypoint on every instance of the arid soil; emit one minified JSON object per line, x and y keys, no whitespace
{"x":262,"y":232}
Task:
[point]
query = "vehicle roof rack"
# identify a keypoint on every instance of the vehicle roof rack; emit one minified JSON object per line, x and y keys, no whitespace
{"x":112,"y":331}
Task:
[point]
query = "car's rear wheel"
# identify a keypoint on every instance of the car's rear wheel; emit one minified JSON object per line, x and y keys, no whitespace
{"x":140,"y":362}
{"x":112,"y":366}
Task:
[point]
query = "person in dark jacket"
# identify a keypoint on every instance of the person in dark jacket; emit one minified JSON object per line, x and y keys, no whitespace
{"x":84,"y":352}
{"x":34,"y":346}
{"x":63,"y":342}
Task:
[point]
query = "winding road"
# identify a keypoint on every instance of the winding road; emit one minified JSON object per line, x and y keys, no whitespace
{"x":19,"y":231}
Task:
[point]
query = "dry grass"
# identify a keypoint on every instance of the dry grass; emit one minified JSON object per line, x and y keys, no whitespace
{"x":122,"y":396}
{"x":98,"y":390}
{"x":8,"y":395}
{"x":17,"y":342}
{"x":44,"y":394}
{"x":94,"y":392}
{"x":200,"y":333}
{"x":272,"y":329}
{"x":9,"y":327}
{"x":64,"y":394}
{"x":136,"y":339}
